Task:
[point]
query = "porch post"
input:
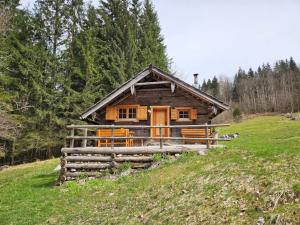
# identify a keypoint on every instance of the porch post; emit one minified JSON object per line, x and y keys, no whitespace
{"x":72,"y":140}
{"x":112,"y":141}
{"x":84,"y":141}
{"x":206,"y":135}
{"x":160,"y":140}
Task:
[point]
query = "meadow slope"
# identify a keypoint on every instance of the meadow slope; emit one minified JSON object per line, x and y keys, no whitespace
{"x":256,"y":178}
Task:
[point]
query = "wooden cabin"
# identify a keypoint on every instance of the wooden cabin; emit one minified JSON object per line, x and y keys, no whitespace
{"x":153,"y":98}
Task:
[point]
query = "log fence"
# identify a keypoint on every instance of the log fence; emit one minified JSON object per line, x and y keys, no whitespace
{"x":81,"y":158}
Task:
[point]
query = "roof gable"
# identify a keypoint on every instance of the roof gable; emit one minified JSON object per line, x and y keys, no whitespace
{"x":151,"y":69}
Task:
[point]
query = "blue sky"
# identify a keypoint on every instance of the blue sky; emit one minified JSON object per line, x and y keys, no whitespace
{"x":215,"y":37}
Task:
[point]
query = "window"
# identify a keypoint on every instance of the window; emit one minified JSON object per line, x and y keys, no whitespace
{"x":127,"y":113}
{"x":132,"y":113}
{"x":183,"y":114}
{"x":122,"y":113}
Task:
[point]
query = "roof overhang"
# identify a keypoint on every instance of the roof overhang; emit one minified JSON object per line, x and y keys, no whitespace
{"x":179,"y":83}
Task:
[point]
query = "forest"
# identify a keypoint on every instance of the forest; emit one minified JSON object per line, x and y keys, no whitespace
{"x":61,"y":56}
{"x":268,"y":89}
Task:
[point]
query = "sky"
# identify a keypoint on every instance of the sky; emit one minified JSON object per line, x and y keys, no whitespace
{"x":216,"y":37}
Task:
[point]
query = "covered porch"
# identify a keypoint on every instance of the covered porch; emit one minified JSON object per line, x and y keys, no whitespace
{"x":126,"y":137}
{"x":94,"y":150}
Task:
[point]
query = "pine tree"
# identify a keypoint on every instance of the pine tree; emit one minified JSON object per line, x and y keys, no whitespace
{"x":92,"y":38}
{"x":292,"y":64}
{"x":204,"y":86}
{"x":9,"y":124}
{"x":250,"y":73}
{"x":153,"y":50}
{"x":135,"y":14}
{"x":238,"y":78}
{"x":115,"y":17}
{"x":25,"y":82}
{"x":83,"y":63}
{"x":63,"y":58}
{"x":50,"y":33}
{"x":133,"y":33}
{"x":215,"y":87}
{"x":51,"y":21}
{"x":73,"y":78}
{"x":208,"y":84}
{"x":72,"y":61}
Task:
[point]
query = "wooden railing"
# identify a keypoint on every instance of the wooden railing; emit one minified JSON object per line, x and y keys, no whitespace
{"x":160,"y":138}
{"x":79,"y":158}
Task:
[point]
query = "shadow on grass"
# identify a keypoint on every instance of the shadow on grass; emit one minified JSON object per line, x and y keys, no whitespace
{"x":45,"y":180}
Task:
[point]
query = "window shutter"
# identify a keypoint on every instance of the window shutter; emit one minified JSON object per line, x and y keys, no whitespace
{"x":174,"y":114}
{"x":111,"y":113}
{"x":193,"y":114}
{"x":142,"y":113}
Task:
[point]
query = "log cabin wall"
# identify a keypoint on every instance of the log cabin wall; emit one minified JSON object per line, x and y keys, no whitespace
{"x":158,"y":96}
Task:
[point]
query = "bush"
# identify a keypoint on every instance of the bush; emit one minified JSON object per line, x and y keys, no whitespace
{"x":296,"y":188}
{"x":237,"y":114}
{"x":124,"y":166}
{"x":157,"y":157}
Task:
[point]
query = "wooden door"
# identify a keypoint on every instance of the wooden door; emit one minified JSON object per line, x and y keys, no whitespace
{"x":160,"y":116}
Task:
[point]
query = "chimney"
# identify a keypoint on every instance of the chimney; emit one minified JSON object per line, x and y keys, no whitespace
{"x":195,"y":79}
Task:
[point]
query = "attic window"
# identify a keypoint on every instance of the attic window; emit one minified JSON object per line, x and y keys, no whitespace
{"x":132,"y":113}
{"x":122,"y":113}
{"x":183,"y":114}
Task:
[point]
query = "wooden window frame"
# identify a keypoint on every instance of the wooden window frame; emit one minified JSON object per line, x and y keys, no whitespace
{"x":185,"y":109}
{"x":185,"y":112}
{"x":127,"y":107}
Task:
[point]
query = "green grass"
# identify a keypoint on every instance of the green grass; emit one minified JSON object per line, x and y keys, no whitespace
{"x":257,"y":175}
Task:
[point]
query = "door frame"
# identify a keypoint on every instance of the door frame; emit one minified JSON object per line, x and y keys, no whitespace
{"x":167,"y":107}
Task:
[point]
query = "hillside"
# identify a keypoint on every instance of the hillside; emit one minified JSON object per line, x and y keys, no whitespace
{"x":255,"y":179}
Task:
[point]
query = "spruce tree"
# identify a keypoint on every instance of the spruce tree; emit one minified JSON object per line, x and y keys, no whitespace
{"x":83,"y":63}
{"x":204,"y":86}
{"x":292,"y":64}
{"x":115,"y":17}
{"x":9,"y":123}
{"x":63,"y":58}
{"x":250,"y":73}
{"x":135,"y":11}
{"x":215,"y":87}
{"x":153,"y":49}
{"x":208,"y":84}
{"x":26,"y":81}
{"x":51,"y":22}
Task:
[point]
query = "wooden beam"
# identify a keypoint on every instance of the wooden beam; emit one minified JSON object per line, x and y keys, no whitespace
{"x":88,"y":165}
{"x":130,"y":150}
{"x":143,"y":137}
{"x":145,"y":126}
{"x":78,"y":174}
{"x":108,"y":158}
{"x":153,"y":89}
{"x":152,"y":83}
{"x":84,"y":141}
{"x":132,"y":90}
{"x":72,"y":140}
{"x":121,"y":99}
{"x":172,"y":87}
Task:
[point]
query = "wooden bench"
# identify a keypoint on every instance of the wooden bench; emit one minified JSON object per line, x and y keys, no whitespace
{"x":117,"y":133}
{"x":195,"y":133}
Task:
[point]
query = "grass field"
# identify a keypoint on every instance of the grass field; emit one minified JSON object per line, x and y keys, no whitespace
{"x":257,"y":177}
